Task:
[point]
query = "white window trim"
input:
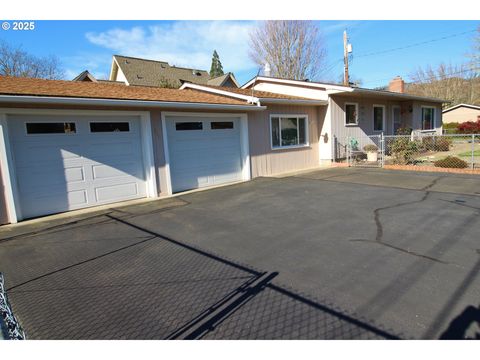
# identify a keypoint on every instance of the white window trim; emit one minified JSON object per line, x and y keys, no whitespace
{"x":307,"y":137}
{"x":434,"y":124}
{"x":345,"y":113}
{"x":383,"y":117}
{"x":8,"y":167}
{"x":244,"y":141}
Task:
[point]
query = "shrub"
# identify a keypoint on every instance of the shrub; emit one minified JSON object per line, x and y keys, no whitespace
{"x":451,"y":128}
{"x":469,"y":127}
{"x":404,"y":131}
{"x":452,"y":162}
{"x":370,"y":148}
{"x":403,"y":150}
{"x":434,"y":143}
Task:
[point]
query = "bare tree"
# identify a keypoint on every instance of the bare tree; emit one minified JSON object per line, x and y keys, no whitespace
{"x":475,"y":54}
{"x":14,"y":61}
{"x":455,"y":83}
{"x":293,"y":49}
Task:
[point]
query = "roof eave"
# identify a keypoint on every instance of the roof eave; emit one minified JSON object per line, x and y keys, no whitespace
{"x":397,"y":95}
{"x":293,"y":101}
{"x":27,"y":99}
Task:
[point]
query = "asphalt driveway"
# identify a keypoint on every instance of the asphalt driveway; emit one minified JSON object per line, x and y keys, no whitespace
{"x":339,"y":253}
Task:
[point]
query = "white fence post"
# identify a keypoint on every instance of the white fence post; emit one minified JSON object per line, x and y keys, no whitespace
{"x":382,"y":150}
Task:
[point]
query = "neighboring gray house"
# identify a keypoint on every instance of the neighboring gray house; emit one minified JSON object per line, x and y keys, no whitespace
{"x":359,"y":112}
{"x":144,"y":72}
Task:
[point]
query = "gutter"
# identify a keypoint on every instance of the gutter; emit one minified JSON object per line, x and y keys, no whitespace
{"x":292,"y":101}
{"x":249,"y":99}
{"x":20,"y":99}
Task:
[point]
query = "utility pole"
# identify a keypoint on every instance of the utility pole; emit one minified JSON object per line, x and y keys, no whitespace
{"x":346,"y":79}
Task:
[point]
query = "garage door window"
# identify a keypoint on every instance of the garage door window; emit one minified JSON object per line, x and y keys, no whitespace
{"x":51,"y":128}
{"x":185,"y":126}
{"x":109,"y":127}
{"x":221,"y":125}
{"x":289,"y":131}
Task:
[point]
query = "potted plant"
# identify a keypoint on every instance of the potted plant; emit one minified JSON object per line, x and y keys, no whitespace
{"x":372,"y":152}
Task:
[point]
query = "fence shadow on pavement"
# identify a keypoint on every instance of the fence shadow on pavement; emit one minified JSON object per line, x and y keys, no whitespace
{"x":151,"y":286}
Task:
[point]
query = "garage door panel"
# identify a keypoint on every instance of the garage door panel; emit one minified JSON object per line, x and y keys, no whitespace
{"x":186,"y":158}
{"x":61,"y":172}
{"x":56,"y":201}
{"x":111,"y":193}
{"x":46,"y":153}
{"x":200,"y":158}
{"x":53,"y":177}
{"x":117,"y":149}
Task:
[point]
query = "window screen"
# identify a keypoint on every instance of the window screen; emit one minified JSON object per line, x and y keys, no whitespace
{"x":51,"y":128}
{"x":182,"y":126}
{"x":350,"y":114}
{"x":378,"y":118}
{"x":109,"y":126}
{"x":428,"y":116}
{"x":219,"y":125}
{"x":288,"y":131}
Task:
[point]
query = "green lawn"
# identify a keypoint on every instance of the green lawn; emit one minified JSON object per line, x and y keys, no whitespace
{"x":469,"y":153}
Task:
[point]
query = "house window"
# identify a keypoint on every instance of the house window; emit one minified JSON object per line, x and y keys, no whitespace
{"x":109,"y":127}
{"x":289,"y":131}
{"x":378,"y":117}
{"x":221,"y":125}
{"x":428,"y":118}
{"x":351,"y":114}
{"x":183,"y":126}
{"x":51,"y":128}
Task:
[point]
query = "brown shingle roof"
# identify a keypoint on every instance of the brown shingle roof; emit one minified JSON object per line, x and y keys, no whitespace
{"x":158,"y":73}
{"x":80,"y":89}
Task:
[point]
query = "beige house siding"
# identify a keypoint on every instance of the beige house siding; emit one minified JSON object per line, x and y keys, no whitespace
{"x":461,"y":115}
{"x":411,"y":117}
{"x":264,"y":160}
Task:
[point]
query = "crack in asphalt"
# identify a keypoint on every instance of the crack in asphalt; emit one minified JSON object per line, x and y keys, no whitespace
{"x":378,"y":223}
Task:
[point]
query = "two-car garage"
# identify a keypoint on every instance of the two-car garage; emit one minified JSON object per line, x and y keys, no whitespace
{"x":66,"y":160}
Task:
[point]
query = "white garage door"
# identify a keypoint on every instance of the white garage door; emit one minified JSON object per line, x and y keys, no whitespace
{"x":70,"y":162}
{"x":203,"y":151}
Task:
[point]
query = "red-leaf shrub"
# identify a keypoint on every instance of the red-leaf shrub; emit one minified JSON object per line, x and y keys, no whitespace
{"x":469,"y":127}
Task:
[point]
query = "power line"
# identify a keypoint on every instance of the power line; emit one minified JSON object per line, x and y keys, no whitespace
{"x":415,"y":44}
{"x":435,"y":77}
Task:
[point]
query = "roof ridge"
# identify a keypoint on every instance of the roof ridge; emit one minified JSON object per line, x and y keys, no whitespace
{"x":159,"y":61}
{"x":137,"y":58}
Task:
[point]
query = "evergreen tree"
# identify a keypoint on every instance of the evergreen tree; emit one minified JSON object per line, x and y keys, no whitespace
{"x":216,"y":69}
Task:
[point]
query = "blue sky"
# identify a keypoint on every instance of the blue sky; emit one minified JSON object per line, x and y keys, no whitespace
{"x":89,"y":45}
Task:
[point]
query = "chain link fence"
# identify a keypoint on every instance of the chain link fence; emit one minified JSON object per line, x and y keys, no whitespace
{"x":10,"y":328}
{"x":447,"y":151}
{"x":417,"y":151}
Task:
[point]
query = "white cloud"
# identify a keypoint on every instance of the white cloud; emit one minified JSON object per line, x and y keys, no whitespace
{"x":183,"y":43}
{"x":97,"y":64}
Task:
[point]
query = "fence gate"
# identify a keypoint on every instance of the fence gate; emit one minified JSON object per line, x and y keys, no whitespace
{"x":365,"y":151}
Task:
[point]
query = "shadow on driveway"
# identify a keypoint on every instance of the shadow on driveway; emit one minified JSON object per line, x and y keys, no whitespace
{"x":145,"y":285}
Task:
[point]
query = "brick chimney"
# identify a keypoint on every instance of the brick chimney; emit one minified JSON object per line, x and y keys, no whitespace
{"x":397,"y":85}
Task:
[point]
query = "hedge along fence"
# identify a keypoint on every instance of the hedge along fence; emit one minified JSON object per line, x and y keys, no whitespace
{"x":455,"y":151}
{"x":469,"y":127}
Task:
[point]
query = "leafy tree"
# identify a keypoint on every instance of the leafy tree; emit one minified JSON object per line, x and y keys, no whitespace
{"x":216,"y":69}
{"x":14,"y":61}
